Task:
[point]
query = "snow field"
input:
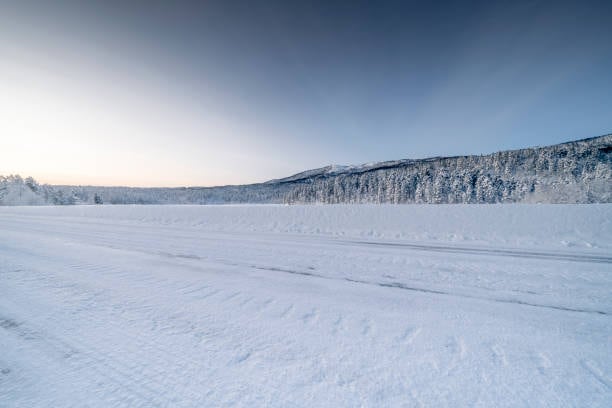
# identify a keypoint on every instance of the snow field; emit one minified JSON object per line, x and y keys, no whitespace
{"x":306,"y":306}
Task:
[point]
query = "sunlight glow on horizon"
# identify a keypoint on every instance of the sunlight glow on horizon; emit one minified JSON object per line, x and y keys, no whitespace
{"x":62,"y":129}
{"x":213,"y":93}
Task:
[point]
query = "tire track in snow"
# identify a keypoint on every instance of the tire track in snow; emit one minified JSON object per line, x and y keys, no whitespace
{"x":186,"y":257}
{"x":554,"y":256}
{"x":597,"y":373}
{"x":137,"y":380}
{"x":399,"y":285}
{"x":82,"y":357}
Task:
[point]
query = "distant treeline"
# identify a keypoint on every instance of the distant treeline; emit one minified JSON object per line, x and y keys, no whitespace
{"x":573,"y":172}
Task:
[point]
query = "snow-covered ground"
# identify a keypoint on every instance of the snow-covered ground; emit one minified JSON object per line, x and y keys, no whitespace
{"x":143,"y":306}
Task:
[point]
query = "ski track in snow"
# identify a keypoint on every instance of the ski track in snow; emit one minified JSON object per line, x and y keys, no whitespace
{"x":99,"y":309}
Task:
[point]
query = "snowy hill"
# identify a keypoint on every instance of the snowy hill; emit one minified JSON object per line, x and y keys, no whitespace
{"x":336,"y":169}
{"x":573,"y":172}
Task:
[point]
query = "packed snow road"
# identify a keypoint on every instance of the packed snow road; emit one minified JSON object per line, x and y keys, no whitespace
{"x":144,"y":306}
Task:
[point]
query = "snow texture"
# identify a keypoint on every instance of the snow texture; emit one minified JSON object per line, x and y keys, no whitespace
{"x":182,"y":306}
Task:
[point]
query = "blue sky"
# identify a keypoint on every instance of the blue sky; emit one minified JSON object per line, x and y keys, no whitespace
{"x":222,"y":92}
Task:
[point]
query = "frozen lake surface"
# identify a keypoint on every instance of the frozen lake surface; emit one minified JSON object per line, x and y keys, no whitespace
{"x":183,"y":306}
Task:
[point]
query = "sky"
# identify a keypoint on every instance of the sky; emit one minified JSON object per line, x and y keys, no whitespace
{"x":202,"y":93}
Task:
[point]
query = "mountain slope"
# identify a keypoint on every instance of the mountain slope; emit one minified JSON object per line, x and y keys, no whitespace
{"x":579,"y":171}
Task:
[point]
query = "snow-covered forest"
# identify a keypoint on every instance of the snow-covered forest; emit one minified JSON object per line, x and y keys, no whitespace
{"x":573,"y":172}
{"x":16,"y":190}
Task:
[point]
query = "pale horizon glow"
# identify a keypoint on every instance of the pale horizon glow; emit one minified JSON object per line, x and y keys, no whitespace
{"x":205,"y":94}
{"x":66,"y":130}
